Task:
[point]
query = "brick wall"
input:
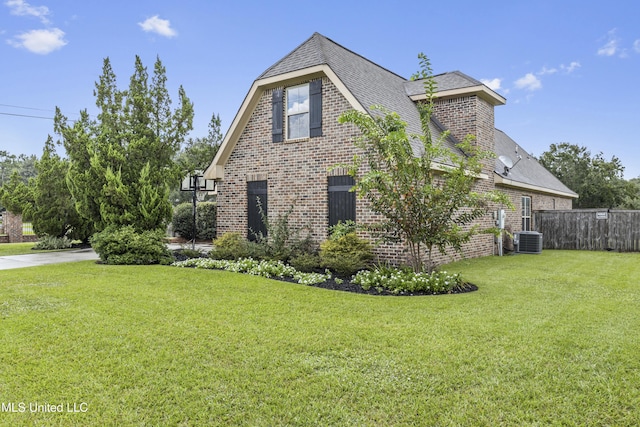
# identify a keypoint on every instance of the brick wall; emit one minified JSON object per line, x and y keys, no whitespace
{"x":296,"y":172}
{"x":539,"y":201}
{"x":12,"y":226}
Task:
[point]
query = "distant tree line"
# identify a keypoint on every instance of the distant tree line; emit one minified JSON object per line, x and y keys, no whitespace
{"x":599,"y":182}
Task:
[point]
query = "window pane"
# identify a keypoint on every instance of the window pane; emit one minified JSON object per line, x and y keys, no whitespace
{"x":298,"y":112}
{"x":298,"y":100}
{"x":298,"y":126}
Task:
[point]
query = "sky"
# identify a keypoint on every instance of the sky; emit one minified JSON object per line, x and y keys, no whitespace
{"x":568,"y":69}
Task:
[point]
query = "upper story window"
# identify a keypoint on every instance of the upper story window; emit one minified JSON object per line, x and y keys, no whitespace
{"x":301,"y":106}
{"x":298,"y":112}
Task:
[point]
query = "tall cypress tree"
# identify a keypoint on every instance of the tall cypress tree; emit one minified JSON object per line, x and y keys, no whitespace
{"x":122,"y":162}
{"x":53,"y":211}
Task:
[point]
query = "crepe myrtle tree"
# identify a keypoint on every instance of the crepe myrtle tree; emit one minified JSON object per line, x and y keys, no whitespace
{"x":424,"y":191}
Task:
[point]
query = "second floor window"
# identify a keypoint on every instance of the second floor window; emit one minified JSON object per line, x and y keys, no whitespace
{"x":298,"y":112}
{"x":301,"y":107}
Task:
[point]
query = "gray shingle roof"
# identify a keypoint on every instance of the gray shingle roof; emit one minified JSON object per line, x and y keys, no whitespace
{"x":369,"y":83}
{"x":373,"y":85}
{"x":445,"y":81}
{"x":527,"y":170}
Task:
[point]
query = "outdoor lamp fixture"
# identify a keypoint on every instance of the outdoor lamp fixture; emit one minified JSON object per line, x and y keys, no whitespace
{"x":196,"y":182}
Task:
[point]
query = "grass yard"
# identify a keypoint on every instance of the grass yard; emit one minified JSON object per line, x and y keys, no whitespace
{"x":7,"y":249}
{"x":548,"y":339}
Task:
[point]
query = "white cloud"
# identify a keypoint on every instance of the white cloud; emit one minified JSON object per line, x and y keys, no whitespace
{"x":158,"y":26}
{"x":40,"y":41}
{"x":528,"y":82}
{"x":636,"y":46}
{"x":22,"y":8}
{"x":612,"y":46}
{"x":546,"y":71}
{"x":493,"y":84}
{"x":571,"y":67}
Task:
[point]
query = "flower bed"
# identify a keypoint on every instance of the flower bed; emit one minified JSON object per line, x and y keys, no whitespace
{"x":379,"y":281}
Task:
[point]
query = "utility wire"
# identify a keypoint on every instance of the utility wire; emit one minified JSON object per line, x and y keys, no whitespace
{"x":26,"y":108}
{"x":26,"y":115}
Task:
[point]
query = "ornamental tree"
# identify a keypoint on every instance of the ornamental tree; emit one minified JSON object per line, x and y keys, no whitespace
{"x":423,"y":191}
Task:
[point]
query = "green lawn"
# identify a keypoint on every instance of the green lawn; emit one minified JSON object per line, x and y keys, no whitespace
{"x":7,"y":249}
{"x":548,"y":339}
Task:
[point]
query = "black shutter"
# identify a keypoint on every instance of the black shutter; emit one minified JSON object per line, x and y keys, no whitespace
{"x":276,"y":117}
{"x":342,"y":202}
{"x":315,"y":108}
{"x":256,"y":196}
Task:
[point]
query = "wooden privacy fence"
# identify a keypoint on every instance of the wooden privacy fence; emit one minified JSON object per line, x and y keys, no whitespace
{"x":589,"y":229}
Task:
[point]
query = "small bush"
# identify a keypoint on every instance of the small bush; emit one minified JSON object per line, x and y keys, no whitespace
{"x":263,"y":268}
{"x":346,"y":255}
{"x":191,"y":253}
{"x":342,"y":228}
{"x":205,"y":220}
{"x":305,"y":262}
{"x":52,"y":242}
{"x":230,"y":246}
{"x":183,"y":220}
{"x":405,"y":280}
{"x":126,"y":246}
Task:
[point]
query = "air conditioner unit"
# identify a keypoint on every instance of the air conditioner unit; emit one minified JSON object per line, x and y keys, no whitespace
{"x":529,"y":242}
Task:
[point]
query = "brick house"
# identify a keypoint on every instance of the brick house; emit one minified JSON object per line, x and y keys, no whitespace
{"x":286,"y":136}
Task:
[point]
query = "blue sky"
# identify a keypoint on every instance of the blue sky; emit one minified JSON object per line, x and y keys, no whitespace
{"x":568,"y":69}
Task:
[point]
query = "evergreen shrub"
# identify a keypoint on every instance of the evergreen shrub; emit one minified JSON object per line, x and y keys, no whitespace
{"x":125,"y":245}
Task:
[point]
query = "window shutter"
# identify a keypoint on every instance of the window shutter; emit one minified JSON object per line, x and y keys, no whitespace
{"x":342,"y":202}
{"x":315,"y":108}
{"x":256,"y":199}
{"x":276,"y":117}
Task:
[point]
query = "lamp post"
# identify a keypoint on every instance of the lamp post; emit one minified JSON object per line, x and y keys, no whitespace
{"x":196,"y":182}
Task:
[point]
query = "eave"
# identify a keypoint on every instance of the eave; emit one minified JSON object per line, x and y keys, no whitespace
{"x":502,"y":180}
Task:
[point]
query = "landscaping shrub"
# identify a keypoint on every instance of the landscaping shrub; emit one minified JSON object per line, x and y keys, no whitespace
{"x":342,"y":228}
{"x":263,"y":268}
{"x":126,"y":246}
{"x":305,"y":262}
{"x":346,"y":254}
{"x":52,"y":242}
{"x":205,"y":220}
{"x":183,"y":220}
{"x":283,"y":241}
{"x":401,"y":280}
{"x":230,"y":246}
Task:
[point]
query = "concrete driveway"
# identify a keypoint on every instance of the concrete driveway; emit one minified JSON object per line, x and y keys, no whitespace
{"x":31,"y":260}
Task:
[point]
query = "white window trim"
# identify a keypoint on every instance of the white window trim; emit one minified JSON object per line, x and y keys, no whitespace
{"x":286,"y":115}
